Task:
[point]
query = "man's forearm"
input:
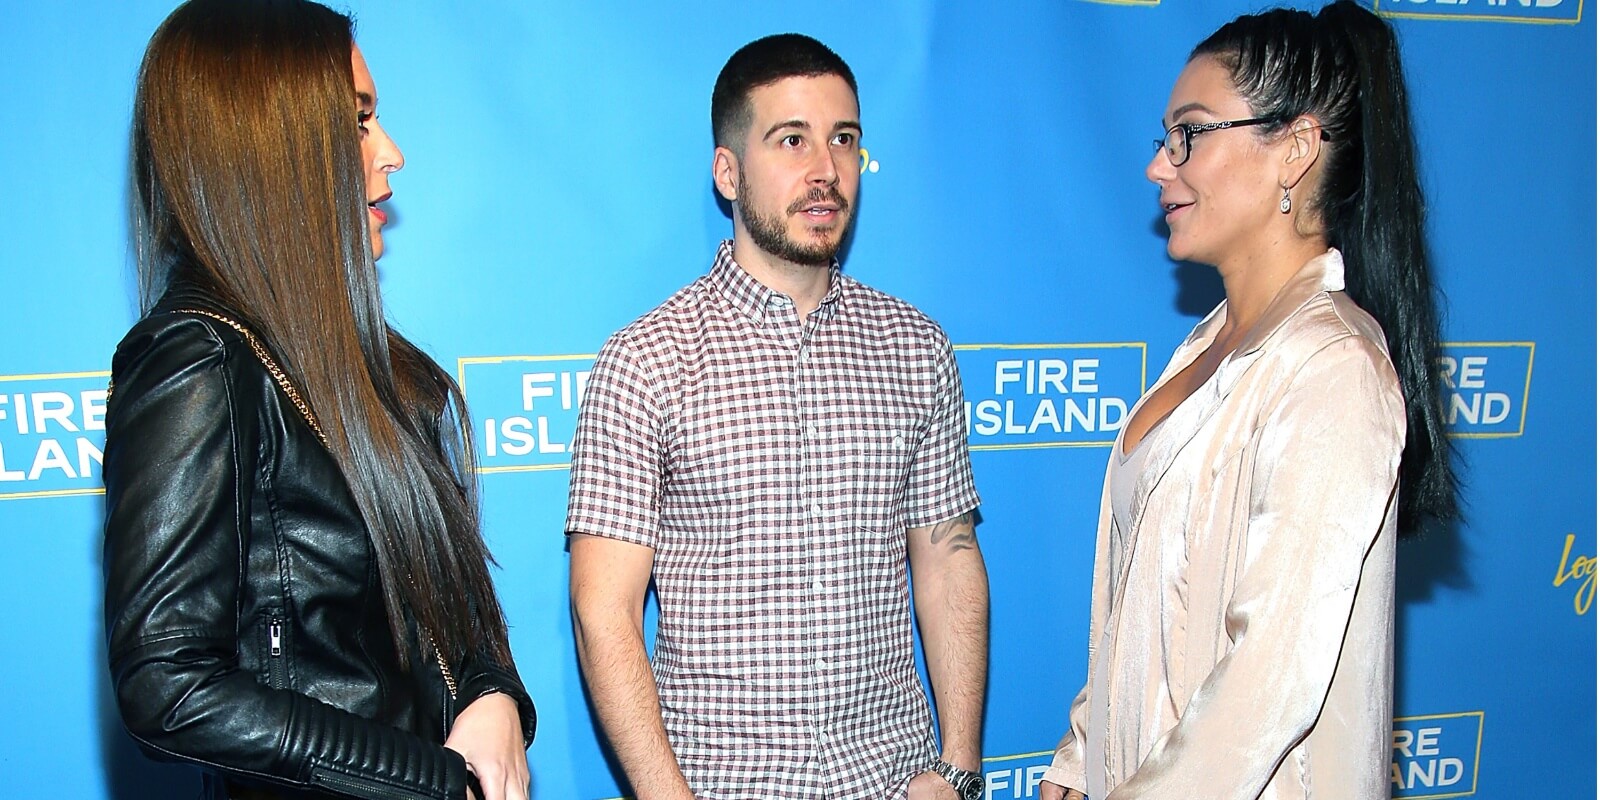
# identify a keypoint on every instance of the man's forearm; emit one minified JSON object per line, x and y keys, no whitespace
{"x":611,"y":654}
{"x":952,"y":599}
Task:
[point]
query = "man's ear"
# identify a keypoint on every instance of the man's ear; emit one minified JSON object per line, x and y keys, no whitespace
{"x":725,"y":173}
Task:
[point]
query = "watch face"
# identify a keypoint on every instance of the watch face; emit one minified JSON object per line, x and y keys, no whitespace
{"x":974,"y":789}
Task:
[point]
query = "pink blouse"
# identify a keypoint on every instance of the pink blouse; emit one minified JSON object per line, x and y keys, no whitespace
{"x":1242,"y":623}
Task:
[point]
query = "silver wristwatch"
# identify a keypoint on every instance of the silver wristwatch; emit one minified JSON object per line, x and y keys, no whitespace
{"x":968,"y":784}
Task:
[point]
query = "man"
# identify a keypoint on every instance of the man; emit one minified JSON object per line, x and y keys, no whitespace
{"x":774,"y":443}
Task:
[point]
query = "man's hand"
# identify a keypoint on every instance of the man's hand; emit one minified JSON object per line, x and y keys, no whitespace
{"x":930,"y":786}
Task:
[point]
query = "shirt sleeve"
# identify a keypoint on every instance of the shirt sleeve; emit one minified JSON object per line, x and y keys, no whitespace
{"x":1321,"y":493}
{"x":617,"y":453}
{"x":940,"y":485}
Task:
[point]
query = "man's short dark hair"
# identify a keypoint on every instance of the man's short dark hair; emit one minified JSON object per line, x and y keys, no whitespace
{"x":760,"y":63}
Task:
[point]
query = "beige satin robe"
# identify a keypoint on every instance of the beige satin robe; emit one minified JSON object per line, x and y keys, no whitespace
{"x":1241,"y":638}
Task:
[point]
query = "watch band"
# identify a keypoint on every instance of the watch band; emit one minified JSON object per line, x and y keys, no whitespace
{"x":968,"y":784}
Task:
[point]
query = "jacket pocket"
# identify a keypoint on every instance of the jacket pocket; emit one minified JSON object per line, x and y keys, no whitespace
{"x":880,"y":451}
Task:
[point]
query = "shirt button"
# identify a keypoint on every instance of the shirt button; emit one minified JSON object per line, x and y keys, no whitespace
{"x":817,"y":585}
{"x":816,"y":510}
{"x":899,"y":441}
{"x":811,"y":431}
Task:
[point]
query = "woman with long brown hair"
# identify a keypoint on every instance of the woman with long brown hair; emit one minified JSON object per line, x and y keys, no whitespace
{"x":297,"y":593}
{"x":1242,"y":607}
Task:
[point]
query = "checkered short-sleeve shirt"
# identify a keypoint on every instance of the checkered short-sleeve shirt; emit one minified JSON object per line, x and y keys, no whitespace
{"x":774,"y":468}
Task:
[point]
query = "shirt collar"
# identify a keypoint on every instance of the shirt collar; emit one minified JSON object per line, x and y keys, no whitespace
{"x":751,"y":297}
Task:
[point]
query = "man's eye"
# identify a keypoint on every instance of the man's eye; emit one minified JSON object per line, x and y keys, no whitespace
{"x":845,"y":139}
{"x":792,"y":140}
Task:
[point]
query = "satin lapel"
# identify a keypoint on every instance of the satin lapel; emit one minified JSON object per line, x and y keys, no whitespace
{"x":1185,"y":355}
{"x":1199,"y":339}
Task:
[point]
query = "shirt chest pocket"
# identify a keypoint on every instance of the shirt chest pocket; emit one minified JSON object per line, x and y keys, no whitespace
{"x":880,"y":453}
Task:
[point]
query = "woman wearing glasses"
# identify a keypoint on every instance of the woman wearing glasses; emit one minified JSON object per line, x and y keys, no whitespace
{"x":297,"y":598}
{"x":1241,"y":632}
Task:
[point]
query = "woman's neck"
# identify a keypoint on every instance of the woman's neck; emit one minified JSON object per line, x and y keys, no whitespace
{"x":1252,"y":280}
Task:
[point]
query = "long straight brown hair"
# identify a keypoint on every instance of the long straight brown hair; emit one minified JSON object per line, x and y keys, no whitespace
{"x":249,"y":183}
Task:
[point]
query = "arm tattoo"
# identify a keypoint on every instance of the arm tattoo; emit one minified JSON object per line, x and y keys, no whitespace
{"x":958,"y":530}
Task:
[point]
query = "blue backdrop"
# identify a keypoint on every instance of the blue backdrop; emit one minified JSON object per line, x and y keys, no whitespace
{"x":557,"y":186}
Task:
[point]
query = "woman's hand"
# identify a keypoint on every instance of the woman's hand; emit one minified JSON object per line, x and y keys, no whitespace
{"x":488,"y":734}
{"x":1051,"y":791}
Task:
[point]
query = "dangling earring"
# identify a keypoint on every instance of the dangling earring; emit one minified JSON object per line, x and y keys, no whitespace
{"x":1283,"y":205}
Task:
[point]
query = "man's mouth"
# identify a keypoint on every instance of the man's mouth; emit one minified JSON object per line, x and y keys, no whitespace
{"x":820,"y":204}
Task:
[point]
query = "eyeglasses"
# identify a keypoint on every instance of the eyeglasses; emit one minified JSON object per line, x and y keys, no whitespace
{"x":1180,"y":137}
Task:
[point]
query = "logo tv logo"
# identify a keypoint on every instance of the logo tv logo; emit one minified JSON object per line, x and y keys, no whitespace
{"x":1581,"y":570}
{"x":1436,"y":756}
{"x":1485,"y":387}
{"x":52,"y":434}
{"x":1049,"y":395}
{"x":1535,"y":11}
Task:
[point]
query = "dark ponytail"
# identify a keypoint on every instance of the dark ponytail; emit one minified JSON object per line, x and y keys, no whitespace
{"x":1342,"y":67}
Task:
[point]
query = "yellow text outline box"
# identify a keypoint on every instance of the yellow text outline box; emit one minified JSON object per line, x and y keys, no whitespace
{"x":1144,"y":383}
{"x":1527,"y":386}
{"x":461,"y":381}
{"x":464,"y":362}
{"x":1377,"y":9}
{"x":1477,"y":752}
{"x":51,"y":376}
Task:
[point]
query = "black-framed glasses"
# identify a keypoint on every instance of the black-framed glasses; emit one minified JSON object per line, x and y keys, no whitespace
{"x":1180,"y":137}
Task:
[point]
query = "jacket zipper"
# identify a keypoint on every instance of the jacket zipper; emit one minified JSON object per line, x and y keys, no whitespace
{"x":275,"y":665}
{"x":447,"y":719}
{"x":359,"y":787}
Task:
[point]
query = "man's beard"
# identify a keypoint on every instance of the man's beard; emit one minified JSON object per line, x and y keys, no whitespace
{"x":771,"y":234}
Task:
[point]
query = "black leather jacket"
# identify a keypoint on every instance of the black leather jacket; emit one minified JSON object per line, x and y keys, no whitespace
{"x":245,"y":622}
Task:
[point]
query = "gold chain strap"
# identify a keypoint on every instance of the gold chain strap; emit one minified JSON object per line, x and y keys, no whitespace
{"x":444,"y":669}
{"x":273,"y":369}
{"x":293,"y":394}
